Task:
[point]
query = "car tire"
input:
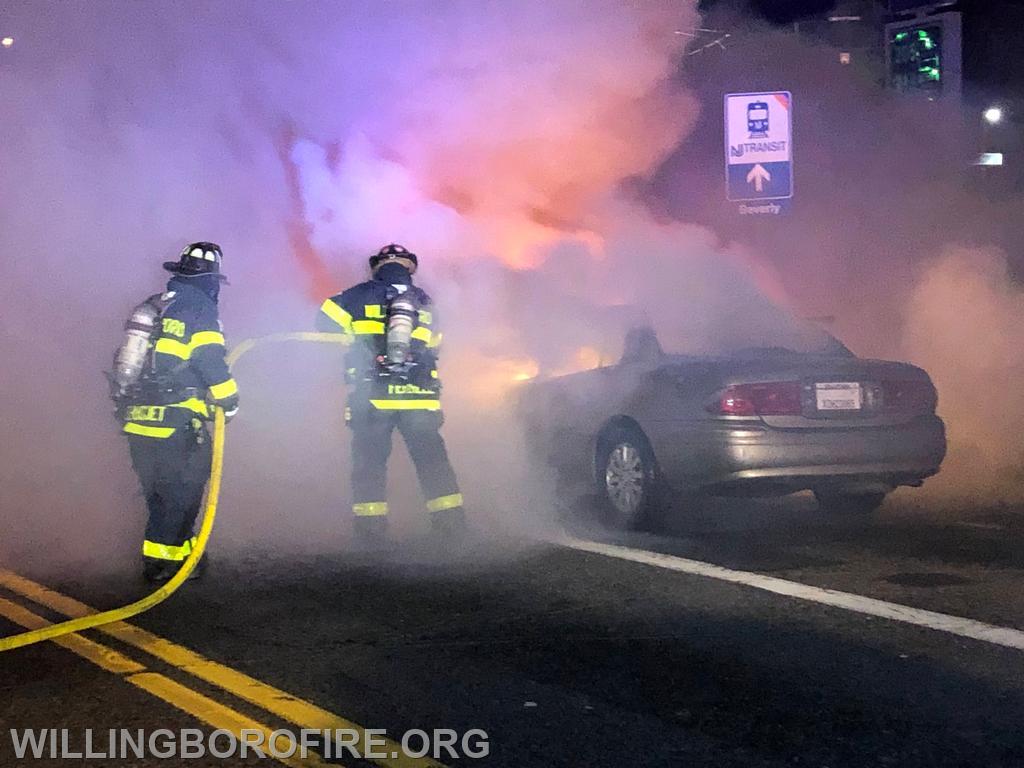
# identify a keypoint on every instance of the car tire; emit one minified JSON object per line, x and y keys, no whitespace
{"x":849,"y":504}
{"x":628,"y":480}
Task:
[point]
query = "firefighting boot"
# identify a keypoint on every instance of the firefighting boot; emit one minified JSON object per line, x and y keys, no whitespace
{"x":200,"y":570}
{"x":158,"y":571}
{"x":449,"y":523}
{"x":370,"y":532}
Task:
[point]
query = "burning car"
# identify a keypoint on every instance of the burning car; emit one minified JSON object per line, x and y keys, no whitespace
{"x":757,"y":421}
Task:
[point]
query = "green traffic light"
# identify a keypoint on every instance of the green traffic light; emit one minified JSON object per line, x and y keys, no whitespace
{"x":916,"y":58}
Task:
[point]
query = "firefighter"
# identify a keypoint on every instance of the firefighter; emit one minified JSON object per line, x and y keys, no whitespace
{"x":391,"y":369}
{"x":166,"y":410}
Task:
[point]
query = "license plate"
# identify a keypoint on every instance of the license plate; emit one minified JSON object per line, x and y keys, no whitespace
{"x":838,"y":396}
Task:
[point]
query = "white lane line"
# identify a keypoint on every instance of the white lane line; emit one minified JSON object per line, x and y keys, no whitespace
{"x":954,"y":625}
{"x":981,"y":526}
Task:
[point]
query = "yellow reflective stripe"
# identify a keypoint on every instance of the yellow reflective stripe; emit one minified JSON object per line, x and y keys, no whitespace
{"x":423,"y":334}
{"x":367,"y":327}
{"x":406,"y":405}
{"x":173,"y":347}
{"x":144,"y":431}
{"x":224,"y":389}
{"x":204,"y":338}
{"x":435,"y":342}
{"x":184,"y":351}
{"x":445,"y":502}
{"x":426,"y":318}
{"x":193,"y":404}
{"x":370,"y":509}
{"x":166,"y":551}
{"x":373,"y":310}
{"x":433,"y":374}
{"x":337,"y":314}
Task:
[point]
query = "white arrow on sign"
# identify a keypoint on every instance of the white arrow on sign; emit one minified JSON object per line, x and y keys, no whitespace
{"x":758,"y":176}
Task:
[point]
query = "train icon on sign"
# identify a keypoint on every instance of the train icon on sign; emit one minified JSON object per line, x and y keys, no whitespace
{"x":757,"y":119}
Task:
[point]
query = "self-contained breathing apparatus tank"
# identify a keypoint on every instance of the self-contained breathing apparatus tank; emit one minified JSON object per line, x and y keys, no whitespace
{"x":402,"y":313}
{"x":400,"y":320}
{"x":132,"y":357}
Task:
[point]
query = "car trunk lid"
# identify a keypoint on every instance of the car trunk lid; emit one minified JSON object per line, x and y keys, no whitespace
{"x":809,"y":392}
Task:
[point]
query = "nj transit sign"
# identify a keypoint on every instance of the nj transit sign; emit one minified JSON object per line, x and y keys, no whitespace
{"x":759,"y":146}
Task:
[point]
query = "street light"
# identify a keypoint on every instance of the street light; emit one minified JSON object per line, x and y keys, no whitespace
{"x":989,"y":154}
{"x":7,"y":42}
{"x":993,"y":115}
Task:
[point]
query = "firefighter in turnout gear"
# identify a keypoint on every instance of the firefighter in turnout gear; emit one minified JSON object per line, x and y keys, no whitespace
{"x":391,"y":369}
{"x":164,"y":402}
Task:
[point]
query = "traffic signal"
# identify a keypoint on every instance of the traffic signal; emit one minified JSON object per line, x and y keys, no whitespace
{"x":923,"y":55}
{"x":916,"y":59}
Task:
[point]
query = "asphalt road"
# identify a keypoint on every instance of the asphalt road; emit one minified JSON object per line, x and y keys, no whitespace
{"x":572,"y":658}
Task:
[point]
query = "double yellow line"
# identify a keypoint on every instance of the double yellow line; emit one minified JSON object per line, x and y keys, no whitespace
{"x":272,"y":700}
{"x":248,"y":689}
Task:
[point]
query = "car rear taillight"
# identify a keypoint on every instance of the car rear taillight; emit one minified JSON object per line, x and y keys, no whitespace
{"x":910,"y":396}
{"x":772,"y":398}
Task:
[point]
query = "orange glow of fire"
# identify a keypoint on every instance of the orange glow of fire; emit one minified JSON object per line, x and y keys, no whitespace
{"x":525,"y":244}
{"x":484,"y":381}
{"x":525,"y":370}
{"x":584,"y":359}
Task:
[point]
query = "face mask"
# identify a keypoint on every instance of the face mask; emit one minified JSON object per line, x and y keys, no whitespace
{"x":394,"y":273}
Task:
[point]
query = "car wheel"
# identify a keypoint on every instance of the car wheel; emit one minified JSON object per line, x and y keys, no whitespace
{"x":849,"y":504}
{"x":628,"y":479}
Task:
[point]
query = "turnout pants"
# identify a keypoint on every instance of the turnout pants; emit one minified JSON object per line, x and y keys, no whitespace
{"x":371,"y":448}
{"x":173,"y":472}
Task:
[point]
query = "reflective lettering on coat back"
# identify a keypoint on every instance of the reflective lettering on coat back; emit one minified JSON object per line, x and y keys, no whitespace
{"x":408,"y":389}
{"x":146,"y":413}
{"x":174,"y":327}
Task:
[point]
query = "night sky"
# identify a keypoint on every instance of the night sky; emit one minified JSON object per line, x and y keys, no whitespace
{"x":788,"y":11}
{"x":991,"y":28}
{"x":775,"y":11}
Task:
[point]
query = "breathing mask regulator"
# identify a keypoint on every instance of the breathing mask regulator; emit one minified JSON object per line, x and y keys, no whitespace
{"x":401,"y":314}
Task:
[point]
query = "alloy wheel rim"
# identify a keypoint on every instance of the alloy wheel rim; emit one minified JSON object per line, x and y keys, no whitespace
{"x":624,"y":478}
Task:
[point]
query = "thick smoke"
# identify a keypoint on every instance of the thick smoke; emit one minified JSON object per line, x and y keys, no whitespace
{"x":300,"y":137}
{"x":519,"y":148}
{"x":963,"y":324}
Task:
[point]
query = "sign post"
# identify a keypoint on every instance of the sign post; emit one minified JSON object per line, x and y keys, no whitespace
{"x":759,"y":151}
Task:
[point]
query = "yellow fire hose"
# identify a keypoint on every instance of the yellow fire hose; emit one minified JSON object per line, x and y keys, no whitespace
{"x":246,"y":345}
{"x":168,"y":589}
{"x":209,"y":515}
